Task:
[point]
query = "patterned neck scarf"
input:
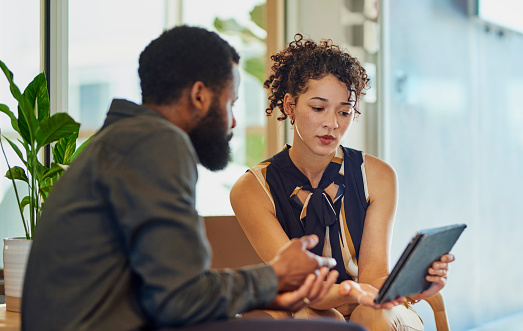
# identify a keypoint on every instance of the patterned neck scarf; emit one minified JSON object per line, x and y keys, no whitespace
{"x":319,"y":213}
{"x":319,"y":205}
{"x":339,"y":231}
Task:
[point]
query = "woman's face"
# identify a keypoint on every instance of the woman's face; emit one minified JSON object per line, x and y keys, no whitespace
{"x":322,"y":115}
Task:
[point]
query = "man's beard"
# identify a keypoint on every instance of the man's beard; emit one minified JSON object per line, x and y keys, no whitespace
{"x":210,"y":138}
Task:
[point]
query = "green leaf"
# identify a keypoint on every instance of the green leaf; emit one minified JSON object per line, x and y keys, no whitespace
{"x":26,"y":116}
{"x":12,"y":86}
{"x":25,"y":201}
{"x":54,"y":128}
{"x":37,"y":94}
{"x":23,"y":129}
{"x":80,"y":149}
{"x":64,"y":149}
{"x":45,"y":187}
{"x":14,"y":121}
{"x":16,"y":173}
{"x":27,"y":122}
{"x":258,"y":15}
{"x":38,"y":170}
{"x":16,"y":149}
{"x":44,"y":191}
{"x":56,"y":169}
{"x":231,"y":26}
{"x":256,"y":67}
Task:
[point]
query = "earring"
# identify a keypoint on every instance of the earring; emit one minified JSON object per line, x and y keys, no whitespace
{"x":292,"y":120}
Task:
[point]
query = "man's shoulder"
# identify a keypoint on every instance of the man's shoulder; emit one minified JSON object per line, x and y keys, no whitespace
{"x":127,"y":134}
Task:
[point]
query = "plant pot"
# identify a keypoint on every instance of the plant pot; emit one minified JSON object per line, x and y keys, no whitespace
{"x":16,"y":252}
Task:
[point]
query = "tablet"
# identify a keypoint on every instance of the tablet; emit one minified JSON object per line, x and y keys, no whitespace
{"x":408,"y":275}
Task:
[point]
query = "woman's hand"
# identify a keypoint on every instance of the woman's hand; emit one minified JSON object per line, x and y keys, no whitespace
{"x":437,"y":275}
{"x":364,"y":294}
{"x":311,"y":291}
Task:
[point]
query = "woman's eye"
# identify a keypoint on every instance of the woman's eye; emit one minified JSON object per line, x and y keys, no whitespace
{"x":346,"y":113}
{"x":317,"y":108}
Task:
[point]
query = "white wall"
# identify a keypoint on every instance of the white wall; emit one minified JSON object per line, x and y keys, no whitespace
{"x":454,"y":122}
{"x":452,"y":130}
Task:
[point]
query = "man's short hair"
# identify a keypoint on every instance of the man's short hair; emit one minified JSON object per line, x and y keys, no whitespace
{"x":181,"y":56}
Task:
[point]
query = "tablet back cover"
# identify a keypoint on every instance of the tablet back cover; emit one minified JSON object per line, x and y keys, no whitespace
{"x":408,"y":276}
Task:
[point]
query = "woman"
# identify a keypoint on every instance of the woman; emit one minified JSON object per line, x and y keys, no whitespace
{"x":346,"y":197}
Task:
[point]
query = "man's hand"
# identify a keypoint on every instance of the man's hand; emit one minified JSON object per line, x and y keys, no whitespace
{"x":312,"y":290}
{"x":437,"y":275}
{"x":364,"y":294}
{"x":294,"y":262}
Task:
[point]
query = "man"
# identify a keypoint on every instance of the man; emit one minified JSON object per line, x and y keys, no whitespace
{"x":120,"y":246}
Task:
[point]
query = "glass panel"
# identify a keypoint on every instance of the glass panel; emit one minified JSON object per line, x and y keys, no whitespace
{"x":105,"y":41}
{"x":20,"y":51}
{"x":103,"y":60}
{"x":455,"y":117}
{"x":236,"y":21}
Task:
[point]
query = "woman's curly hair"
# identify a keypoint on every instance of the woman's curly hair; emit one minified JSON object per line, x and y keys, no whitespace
{"x":303,"y":60}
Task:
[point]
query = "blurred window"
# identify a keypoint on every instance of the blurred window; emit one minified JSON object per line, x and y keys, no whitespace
{"x":103,"y":64}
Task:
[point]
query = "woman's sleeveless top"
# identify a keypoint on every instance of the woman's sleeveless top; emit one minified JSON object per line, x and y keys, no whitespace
{"x":339,"y":222}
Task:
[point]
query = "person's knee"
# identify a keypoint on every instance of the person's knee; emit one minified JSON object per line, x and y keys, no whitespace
{"x":279,"y":314}
{"x":372,"y":319}
{"x":398,"y":318}
{"x":310,"y":313}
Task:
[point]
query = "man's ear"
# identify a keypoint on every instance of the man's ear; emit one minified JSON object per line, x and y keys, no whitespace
{"x":288,"y":105}
{"x":201,"y":98}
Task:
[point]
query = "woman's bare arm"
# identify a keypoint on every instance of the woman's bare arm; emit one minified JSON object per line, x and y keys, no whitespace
{"x":256,"y":215}
{"x":373,"y":265}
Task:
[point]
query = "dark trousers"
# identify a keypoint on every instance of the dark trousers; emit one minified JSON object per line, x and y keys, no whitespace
{"x":277,"y":325}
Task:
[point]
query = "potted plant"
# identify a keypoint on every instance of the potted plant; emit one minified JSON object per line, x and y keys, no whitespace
{"x":36,"y":129}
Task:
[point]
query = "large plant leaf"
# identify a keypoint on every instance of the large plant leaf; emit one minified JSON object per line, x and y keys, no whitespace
{"x":25,"y":201}
{"x":80,"y":149}
{"x":46,"y":186}
{"x":23,"y":129}
{"x":54,"y":128}
{"x":14,"y":121}
{"x":258,"y":15}
{"x":27,"y":122}
{"x":17,"y":173}
{"x":12,"y":86}
{"x":37,"y":94}
{"x":16,"y":149}
{"x":256,"y":67}
{"x":64,"y":149}
{"x":231,"y":26}
{"x":26,"y":114}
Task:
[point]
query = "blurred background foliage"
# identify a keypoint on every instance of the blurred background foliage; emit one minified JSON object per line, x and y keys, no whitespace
{"x":253,"y":65}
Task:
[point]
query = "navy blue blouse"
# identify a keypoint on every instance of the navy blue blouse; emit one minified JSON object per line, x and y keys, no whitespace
{"x":338,"y":223}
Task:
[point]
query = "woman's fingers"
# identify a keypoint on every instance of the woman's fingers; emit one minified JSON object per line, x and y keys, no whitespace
{"x":298,"y":299}
{"x":438,"y":272}
{"x":320,"y":286}
{"x":323,"y":283}
{"x":439,"y":280}
{"x":318,"y":283}
{"x":448,"y":258}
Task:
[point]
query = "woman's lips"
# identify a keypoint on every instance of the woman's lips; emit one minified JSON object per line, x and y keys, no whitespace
{"x":326,"y":140}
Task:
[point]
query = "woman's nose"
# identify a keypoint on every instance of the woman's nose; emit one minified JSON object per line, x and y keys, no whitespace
{"x":330,"y":121}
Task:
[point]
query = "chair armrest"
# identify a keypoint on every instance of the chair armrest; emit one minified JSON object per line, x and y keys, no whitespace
{"x":440,"y":314}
